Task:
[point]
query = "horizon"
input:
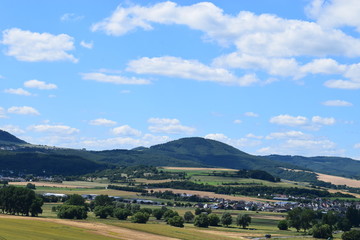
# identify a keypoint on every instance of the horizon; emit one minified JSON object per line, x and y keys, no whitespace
{"x":279,"y":77}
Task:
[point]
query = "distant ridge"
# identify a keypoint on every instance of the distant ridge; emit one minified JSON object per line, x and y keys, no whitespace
{"x":6,"y":137}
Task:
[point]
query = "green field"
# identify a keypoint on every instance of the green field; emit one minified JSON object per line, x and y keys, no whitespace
{"x":38,"y":230}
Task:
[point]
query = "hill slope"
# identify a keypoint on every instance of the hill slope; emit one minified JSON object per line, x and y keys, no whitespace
{"x":7,"y":138}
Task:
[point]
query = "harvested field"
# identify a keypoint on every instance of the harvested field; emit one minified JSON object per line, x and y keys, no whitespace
{"x":49,"y":184}
{"x":199,"y":169}
{"x":98,"y":228}
{"x":339,"y":180}
{"x":211,"y":194}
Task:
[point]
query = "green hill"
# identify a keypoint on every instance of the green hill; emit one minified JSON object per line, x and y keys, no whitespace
{"x":7,"y":138}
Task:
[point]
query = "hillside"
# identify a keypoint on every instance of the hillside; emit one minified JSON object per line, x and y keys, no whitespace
{"x":7,"y":138}
{"x":344,"y":167}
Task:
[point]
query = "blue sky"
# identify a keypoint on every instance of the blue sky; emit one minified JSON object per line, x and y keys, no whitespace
{"x":268,"y":77}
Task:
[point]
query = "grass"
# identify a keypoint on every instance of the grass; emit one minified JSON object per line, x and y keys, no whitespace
{"x":37,"y":230}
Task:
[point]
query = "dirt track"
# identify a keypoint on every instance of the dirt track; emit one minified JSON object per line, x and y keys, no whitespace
{"x":99,"y":228}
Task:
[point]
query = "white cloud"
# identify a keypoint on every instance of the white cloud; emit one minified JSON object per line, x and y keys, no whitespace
{"x":323,"y":121}
{"x":71,"y":17}
{"x":251,"y":114}
{"x":289,"y":120}
{"x":25,"y":110}
{"x":35,"y":47}
{"x":323,"y":66}
{"x":115,"y":79}
{"x":2,"y":113}
{"x":102,"y":122}
{"x":12,"y":129}
{"x":251,"y":135}
{"x":289,"y":134}
{"x":337,"y":103}
{"x":88,"y":45}
{"x":39,"y":85}
{"x":342,"y":84}
{"x":357,"y":146}
{"x":252,"y":34}
{"x":18,"y":91}
{"x":335,"y":13}
{"x":237,"y":121}
{"x":169,"y":126}
{"x":188,"y":69}
{"x":237,"y":143}
{"x":58,"y":129}
{"x":126,"y":130}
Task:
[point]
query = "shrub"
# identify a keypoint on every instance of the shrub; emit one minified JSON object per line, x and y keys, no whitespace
{"x":201,"y":220}
{"x":283,"y":225}
{"x":321,"y":231}
{"x":140,"y":217}
{"x":176,"y":221}
{"x":351,"y":235}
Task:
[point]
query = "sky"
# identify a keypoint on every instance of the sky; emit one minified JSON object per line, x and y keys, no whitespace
{"x":265,"y":76}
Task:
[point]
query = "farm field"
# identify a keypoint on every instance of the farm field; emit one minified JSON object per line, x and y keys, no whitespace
{"x":339,"y":180}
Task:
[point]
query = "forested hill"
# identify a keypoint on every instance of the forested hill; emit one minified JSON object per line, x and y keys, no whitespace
{"x":338,"y":166}
{"x":6,"y":137}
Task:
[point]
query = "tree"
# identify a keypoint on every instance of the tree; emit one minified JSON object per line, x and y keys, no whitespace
{"x":35,"y":207}
{"x":121,"y":213}
{"x":213,"y":219}
{"x":283,"y":225}
{"x":72,"y":212}
{"x":353,"y":215}
{"x":202,"y":220}
{"x":301,"y":218}
{"x":188,"y":216}
{"x":140,"y":217}
{"x":31,"y":186}
{"x":75,"y":200}
{"x":294,"y":218}
{"x":351,"y":235}
{"x":243,"y":220}
{"x":103,"y":211}
{"x":146,"y":210}
{"x":169,"y":214}
{"x":103,"y":200}
{"x":176,"y":221}
{"x":321,"y":231}
{"x":330,"y":218}
{"x":226,"y":219}
{"x":157,"y":213}
{"x":343,"y":224}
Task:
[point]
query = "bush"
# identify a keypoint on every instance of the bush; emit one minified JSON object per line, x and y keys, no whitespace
{"x":169,"y":214}
{"x":146,"y":210}
{"x":321,"y":231}
{"x":140,"y":217}
{"x":72,"y":212}
{"x":188,"y":216}
{"x":213,"y":219}
{"x":202,"y":220}
{"x":121,"y":213}
{"x":351,"y":235}
{"x":283,"y":225}
{"x":176,"y":221}
{"x":226,"y":219}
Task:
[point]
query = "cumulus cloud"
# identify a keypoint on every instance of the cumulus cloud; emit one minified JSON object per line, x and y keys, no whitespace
{"x":88,"y":45}
{"x":252,"y":34}
{"x":13,"y":129}
{"x":188,"y":69}
{"x":102,"y":122}
{"x":323,"y":121}
{"x":39,"y":85}
{"x":115,"y":79}
{"x":335,"y":13}
{"x":58,"y":129}
{"x":25,"y":110}
{"x":18,"y":91}
{"x":237,"y":121}
{"x":169,"y":126}
{"x":251,"y":114}
{"x":289,"y":120}
{"x":342,"y":84}
{"x":126,"y":130}
{"x":237,"y":143}
{"x":35,"y":47}
{"x":289,"y":134}
{"x":2,"y":113}
{"x":337,"y":103}
{"x":71,"y":17}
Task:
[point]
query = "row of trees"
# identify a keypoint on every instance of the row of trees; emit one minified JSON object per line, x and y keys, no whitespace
{"x":321,"y":225}
{"x":20,"y":201}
